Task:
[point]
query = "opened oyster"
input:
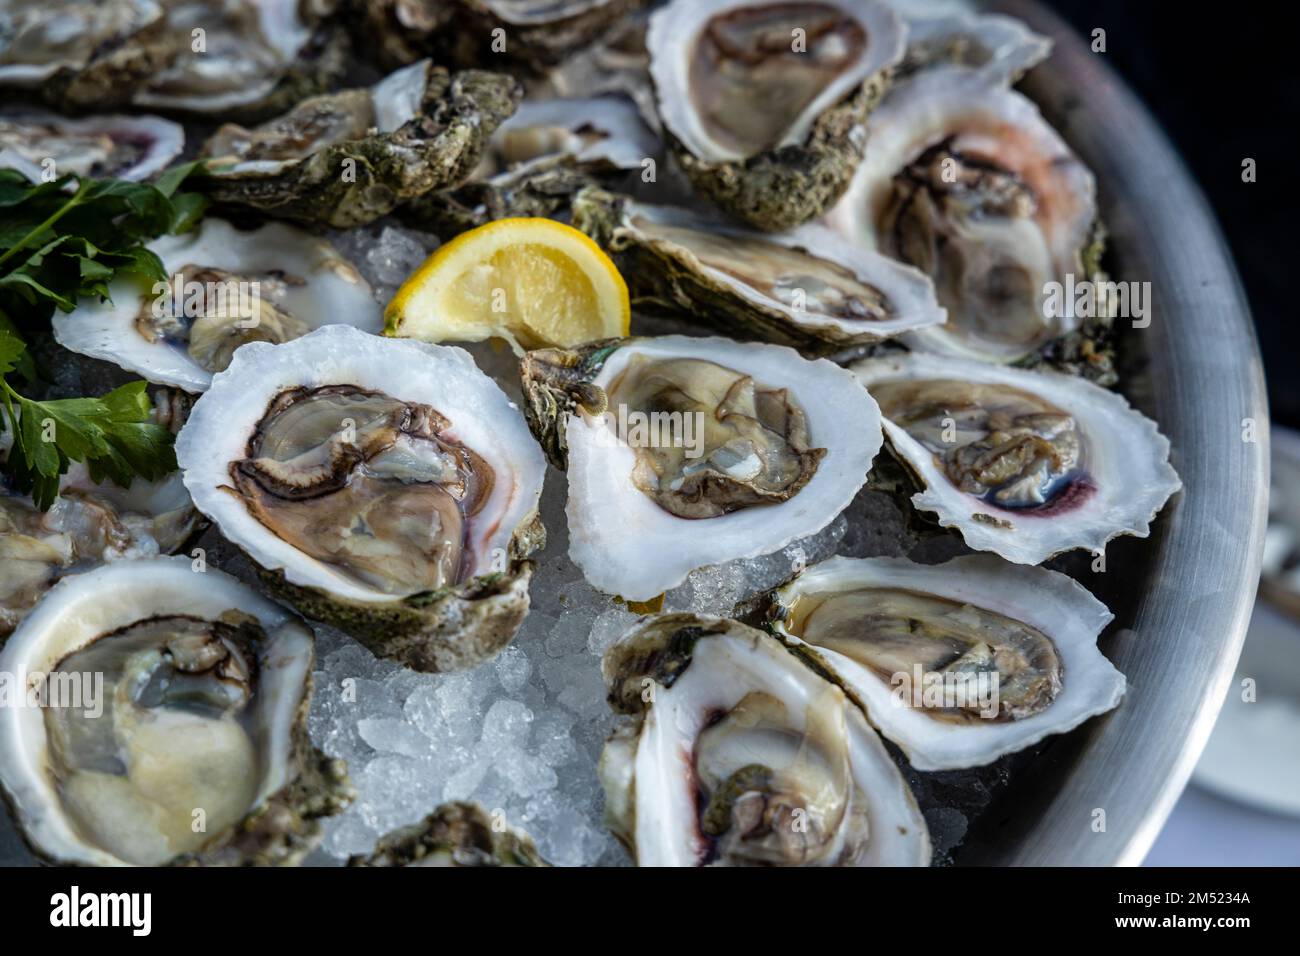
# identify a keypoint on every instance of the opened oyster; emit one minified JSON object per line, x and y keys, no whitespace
{"x":539,"y":158}
{"x":741,"y":755}
{"x":171,"y":726}
{"x":764,"y":100}
{"x":237,"y":56}
{"x":684,"y":452}
{"x":1023,"y":463}
{"x":455,"y":834}
{"x":345,"y":159}
{"x":386,"y":487}
{"x":90,"y":522}
{"x":474,"y":32}
{"x":227,"y":287}
{"x":806,"y":287}
{"x":967,"y":182}
{"x":43,"y":147}
{"x":956,"y":663}
{"x":1000,"y":48}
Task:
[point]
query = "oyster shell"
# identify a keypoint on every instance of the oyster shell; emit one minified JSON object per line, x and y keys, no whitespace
{"x":345,"y":159}
{"x":384,"y":486}
{"x":42,"y":146}
{"x":536,"y":33}
{"x":739,"y":754}
{"x":1026,"y":464}
{"x":806,"y":287}
{"x":539,"y":158}
{"x":967,"y":182}
{"x":763,"y":100}
{"x":227,"y":287}
{"x":455,"y":834}
{"x":89,"y":523}
{"x":1001,"y":49}
{"x":238,"y":57}
{"x":202,"y":688}
{"x":684,"y":452}
{"x":956,"y":663}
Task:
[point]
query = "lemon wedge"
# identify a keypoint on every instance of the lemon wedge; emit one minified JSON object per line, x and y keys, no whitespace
{"x":531,"y":281}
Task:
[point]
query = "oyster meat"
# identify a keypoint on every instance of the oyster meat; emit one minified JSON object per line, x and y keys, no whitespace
{"x":384,"y":486}
{"x":171,"y":726}
{"x":967,"y":182}
{"x":345,"y":159}
{"x":455,"y":834}
{"x":738,"y":754}
{"x":1027,"y":464}
{"x":226,"y":287}
{"x":763,"y":100}
{"x":685,"y":452}
{"x":43,"y":147}
{"x":807,"y":287}
{"x":956,"y":663}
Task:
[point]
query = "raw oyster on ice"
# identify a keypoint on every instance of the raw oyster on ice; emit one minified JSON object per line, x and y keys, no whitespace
{"x":967,"y":182}
{"x":763,"y":100}
{"x":807,"y":287}
{"x":226,"y":287}
{"x":685,"y":452}
{"x":1027,"y":464}
{"x":739,"y":754}
{"x":956,"y":663}
{"x":345,"y":159}
{"x":42,"y":146}
{"x":455,"y":834}
{"x":539,"y":158}
{"x":387,"y":487}
{"x":187,"y":743}
{"x":237,"y":57}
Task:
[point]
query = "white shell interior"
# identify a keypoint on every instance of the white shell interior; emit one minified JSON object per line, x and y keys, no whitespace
{"x":82,"y":607}
{"x":444,"y":377}
{"x":626,"y":544}
{"x":1124,"y":453}
{"x":335,"y":292}
{"x":1052,"y":602}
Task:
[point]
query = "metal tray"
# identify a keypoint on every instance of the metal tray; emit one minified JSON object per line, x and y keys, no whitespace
{"x":1182,"y":597}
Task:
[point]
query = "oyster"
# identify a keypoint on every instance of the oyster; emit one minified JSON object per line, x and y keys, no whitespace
{"x":43,"y":147}
{"x":386,"y":487}
{"x":1026,"y":464}
{"x":538,"y":159}
{"x":227,"y":287}
{"x":171,"y":726}
{"x":455,"y":834}
{"x":345,"y":159}
{"x":1001,"y":49}
{"x":684,"y":452}
{"x":956,"y":663}
{"x":536,"y":33}
{"x":243,"y":57}
{"x":739,"y":754}
{"x":967,"y":182}
{"x":763,"y":100}
{"x":806,"y":287}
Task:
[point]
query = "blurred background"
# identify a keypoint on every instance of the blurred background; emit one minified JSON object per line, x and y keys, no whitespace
{"x":1225,"y":89}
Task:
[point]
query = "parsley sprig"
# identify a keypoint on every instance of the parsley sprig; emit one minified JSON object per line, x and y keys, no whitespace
{"x":60,"y":242}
